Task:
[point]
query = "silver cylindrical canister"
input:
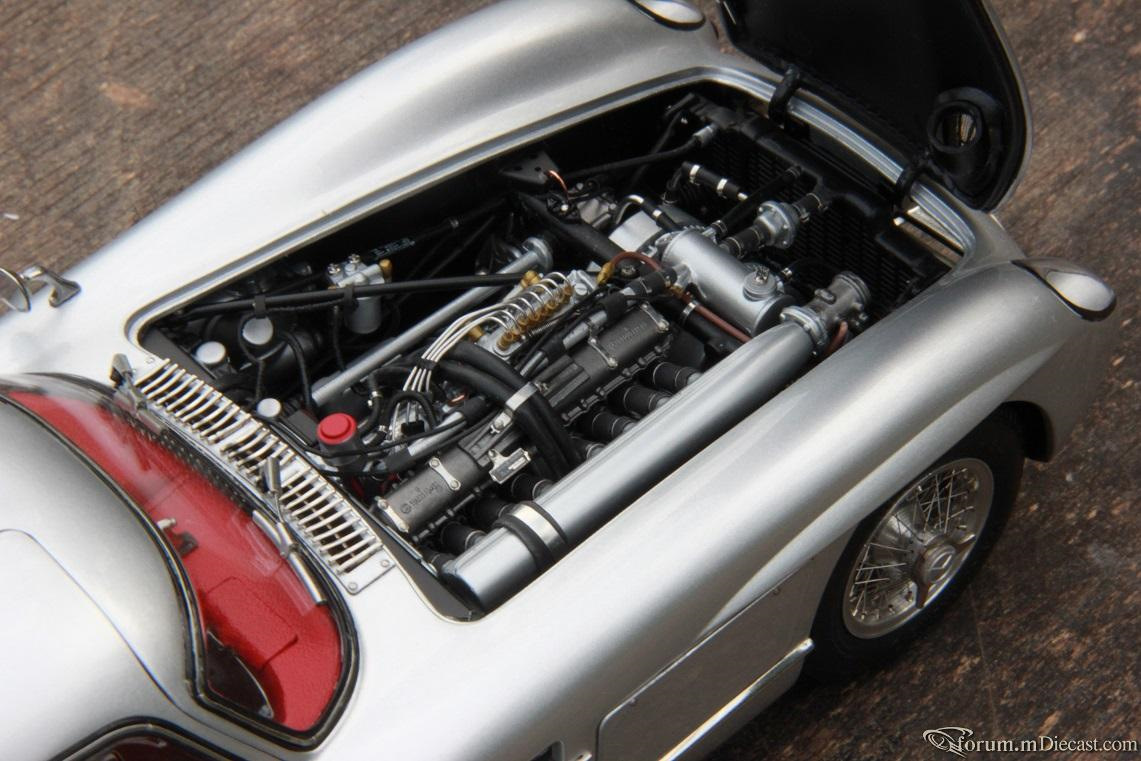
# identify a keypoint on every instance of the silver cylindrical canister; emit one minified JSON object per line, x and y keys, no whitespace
{"x":749,"y":297}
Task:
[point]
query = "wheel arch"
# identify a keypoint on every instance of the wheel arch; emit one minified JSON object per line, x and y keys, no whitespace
{"x":1034,"y":427}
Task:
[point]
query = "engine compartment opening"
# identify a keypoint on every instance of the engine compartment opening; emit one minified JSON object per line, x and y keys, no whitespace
{"x":495,"y":366}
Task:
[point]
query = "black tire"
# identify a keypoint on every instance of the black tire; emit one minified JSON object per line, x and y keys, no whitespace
{"x":839,"y":653}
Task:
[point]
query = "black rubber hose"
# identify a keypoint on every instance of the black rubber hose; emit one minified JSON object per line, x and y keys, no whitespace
{"x":442,"y":262}
{"x":302,"y":370}
{"x":579,"y":236}
{"x":658,"y":214}
{"x":747,"y":241}
{"x":415,"y":397}
{"x":500,"y":393}
{"x":335,"y":337}
{"x":637,"y":161}
{"x":720,"y":342}
{"x":719,"y":184}
{"x":745,"y":210}
{"x":375,"y":408}
{"x":756,"y":236}
{"x":660,"y":143}
{"x":451,"y":223}
{"x":483,"y":360}
{"x":332,"y":296}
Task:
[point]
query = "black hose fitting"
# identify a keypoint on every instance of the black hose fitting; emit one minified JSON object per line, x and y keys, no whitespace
{"x":485,"y":361}
{"x":717,"y":341}
{"x":525,"y":415}
{"x":670,"y":377}
{"x":578,"y":236}
{"x":746,"y":210}
{"x":603,"y":425}
{"x":636,"y":399}
{"x":719,"y":184}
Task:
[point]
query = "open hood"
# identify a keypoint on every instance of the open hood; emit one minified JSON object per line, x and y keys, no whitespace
{"x":930,"y":78}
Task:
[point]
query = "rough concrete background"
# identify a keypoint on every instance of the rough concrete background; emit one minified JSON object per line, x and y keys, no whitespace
{"x":108,"y":107}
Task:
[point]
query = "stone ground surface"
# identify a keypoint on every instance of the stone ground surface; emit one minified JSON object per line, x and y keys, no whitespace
{"x":107,"y":108}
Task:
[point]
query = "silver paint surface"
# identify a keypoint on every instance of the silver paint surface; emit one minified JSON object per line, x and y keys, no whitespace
{"x":783,"y":486}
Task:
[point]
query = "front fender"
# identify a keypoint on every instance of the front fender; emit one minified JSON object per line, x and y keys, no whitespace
{"x":927,"y":376}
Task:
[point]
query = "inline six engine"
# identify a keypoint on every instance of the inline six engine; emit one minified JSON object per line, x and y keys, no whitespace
{"x":493,"y":368}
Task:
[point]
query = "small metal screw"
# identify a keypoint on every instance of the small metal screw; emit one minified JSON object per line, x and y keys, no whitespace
{"x":352,"y":586}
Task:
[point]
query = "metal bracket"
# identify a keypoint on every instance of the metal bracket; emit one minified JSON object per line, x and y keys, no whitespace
{"x":520,"y":397}
{"x":660,"y":323}
{"x":809,"y":321}
{"x":442,"y":470}
{"x":610,"y":361}
{"x":503,"y":467}
{"x":16,"y":289}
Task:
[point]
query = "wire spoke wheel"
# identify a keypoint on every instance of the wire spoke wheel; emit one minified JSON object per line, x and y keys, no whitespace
{"x":918,"y":547}
{"x":909,"y":558}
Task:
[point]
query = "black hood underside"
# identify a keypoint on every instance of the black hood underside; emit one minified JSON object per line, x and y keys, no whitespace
{"x":933,"y":78}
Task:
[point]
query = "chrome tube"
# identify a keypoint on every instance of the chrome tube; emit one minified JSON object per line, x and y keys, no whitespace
{"x":328,"y":389}
{"x":533,"y":535}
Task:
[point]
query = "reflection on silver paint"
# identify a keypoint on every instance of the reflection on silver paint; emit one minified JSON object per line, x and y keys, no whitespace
{"x":680,"y":13}
{"x":1087,"y":293}
{"x":63,"y":653}
{"x":104,"y":600}
{"x":792,"y":659}
{"x":725,"y":669}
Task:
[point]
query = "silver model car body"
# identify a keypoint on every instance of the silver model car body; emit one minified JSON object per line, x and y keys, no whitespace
{"x":675,"y":621}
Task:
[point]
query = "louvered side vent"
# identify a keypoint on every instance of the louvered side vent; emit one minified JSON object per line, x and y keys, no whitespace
{"x":320,"y":515}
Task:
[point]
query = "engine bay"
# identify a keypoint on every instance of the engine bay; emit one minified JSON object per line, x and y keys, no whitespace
{"x":511,"y":356}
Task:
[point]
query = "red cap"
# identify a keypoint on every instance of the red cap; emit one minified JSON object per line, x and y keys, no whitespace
{"x":336,"y":429}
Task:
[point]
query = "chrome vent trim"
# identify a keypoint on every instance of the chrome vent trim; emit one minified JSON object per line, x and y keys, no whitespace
{"x":321,"y":517}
